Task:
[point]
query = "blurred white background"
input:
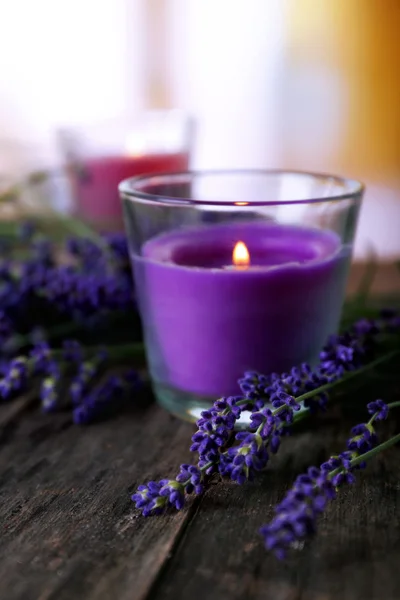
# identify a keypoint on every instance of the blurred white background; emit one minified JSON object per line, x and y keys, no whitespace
{"x":269,"y":82}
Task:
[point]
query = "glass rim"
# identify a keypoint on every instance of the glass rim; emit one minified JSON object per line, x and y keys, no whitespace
{"x":129,"y":189}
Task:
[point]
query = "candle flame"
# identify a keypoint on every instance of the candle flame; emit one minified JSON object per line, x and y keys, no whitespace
{"x":240,"y":255}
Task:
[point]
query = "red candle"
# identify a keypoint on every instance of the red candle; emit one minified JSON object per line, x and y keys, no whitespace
{"x":96,"y":186}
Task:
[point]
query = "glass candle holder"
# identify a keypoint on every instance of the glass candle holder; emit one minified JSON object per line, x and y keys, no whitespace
{"x":236,"y":271}
{"x":99,"y":157}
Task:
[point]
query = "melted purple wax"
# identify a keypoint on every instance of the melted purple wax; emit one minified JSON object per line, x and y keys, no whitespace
{"x":207,"y":322}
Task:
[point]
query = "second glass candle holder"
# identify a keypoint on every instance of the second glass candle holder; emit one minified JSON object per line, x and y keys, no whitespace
{"x":97,"y":158}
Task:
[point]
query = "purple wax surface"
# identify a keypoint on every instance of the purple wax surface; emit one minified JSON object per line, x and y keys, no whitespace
{"x":206,"y":322}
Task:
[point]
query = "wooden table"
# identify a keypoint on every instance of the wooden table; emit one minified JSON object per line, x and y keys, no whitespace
{"x":70,"y":531}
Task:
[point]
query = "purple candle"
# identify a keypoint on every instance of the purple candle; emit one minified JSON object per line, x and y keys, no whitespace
{"x":207,"y":320}
{"x":236,"y":270}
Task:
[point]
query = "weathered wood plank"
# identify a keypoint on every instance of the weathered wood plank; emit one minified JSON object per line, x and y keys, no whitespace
{"x":69,"y":529}
{"x":10,"y":411}
{"x":355,"y":555}
{"x":68,"y":525}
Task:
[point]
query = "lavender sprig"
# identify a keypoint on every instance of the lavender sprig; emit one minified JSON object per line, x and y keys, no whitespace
{"x":275,"y":402}
{"x":15,"y":379}
{"x":342,"y":354}
{"x":155,"y":496}
{"x":94,"y":283}
{"x":20,"y":369}
{"x":296,"y":516}
{"x":87,"y":372}
{"x":106,"y":398}
{"x":52,"y":368}
{"x":49,"y":389}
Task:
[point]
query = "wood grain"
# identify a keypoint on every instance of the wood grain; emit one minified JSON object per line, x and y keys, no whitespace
{"x":355,"y":555}
{"x":70,"y":531}
{"x":68,"y":525}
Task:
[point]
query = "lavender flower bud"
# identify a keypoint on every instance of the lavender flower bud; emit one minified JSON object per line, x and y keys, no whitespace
{"x":380,"y":408}
{"x":296,"y":516}
{"x":106,"y":399}
{"x":15,"y":379}
{"x":49,"y":394}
